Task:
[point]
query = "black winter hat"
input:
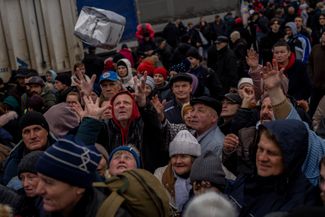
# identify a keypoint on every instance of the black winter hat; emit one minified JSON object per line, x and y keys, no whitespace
{"x":234,"y":98}
{"x":64,"y":79}
{"x":180,"y":77}
{"x":208,"y":101}
{"x":208,"y":167}
{"x":221,"y":39}
{"x":33,"y":118}
{"x":193,"y":52}
{"x":28,"y":163}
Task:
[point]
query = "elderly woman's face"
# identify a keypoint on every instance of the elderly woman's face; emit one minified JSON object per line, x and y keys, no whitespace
{"x":29,"y":182}
{"x":122,"y":161}
{"x":181,"y":163}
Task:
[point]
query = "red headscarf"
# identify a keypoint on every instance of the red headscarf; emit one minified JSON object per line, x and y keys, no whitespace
{"x":134,"y":115}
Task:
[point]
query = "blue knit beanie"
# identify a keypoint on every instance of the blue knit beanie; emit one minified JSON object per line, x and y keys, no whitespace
{"x":131,"y":149}
{"x":70,"y":161}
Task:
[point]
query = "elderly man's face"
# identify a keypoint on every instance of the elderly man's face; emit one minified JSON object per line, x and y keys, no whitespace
{"x":266,"y":113}
{"x":34,"y":137}
{"x":29,"y":182}
{"x":110,"y":88}
{"x":58,"y":196}
{"x":123,"y":106}
{"x":203,"y":118}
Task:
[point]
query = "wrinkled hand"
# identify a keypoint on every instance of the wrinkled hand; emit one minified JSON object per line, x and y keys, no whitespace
{"x":172,"y":74}
{"x":303,"y":104}
{"x":272,"y":75}
{"x":84,"y":86}
{"x":230,"y":143}
{"x":107,"y":114}
{"x":93,"y":109}
{"x":252,"y":58}
{"x":140,"y":86}
{"x":159,"y":106}
{"x":76,"y":107}
{"x":248,"y":96}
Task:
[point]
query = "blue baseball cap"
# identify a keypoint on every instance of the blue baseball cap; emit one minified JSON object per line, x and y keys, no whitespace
{"x":109,"y":76}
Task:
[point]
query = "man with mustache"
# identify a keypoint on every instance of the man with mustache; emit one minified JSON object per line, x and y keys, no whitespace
{"x":38,"y":87}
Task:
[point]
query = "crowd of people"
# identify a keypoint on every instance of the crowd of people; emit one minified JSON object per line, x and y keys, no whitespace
{"x":229,"y":116}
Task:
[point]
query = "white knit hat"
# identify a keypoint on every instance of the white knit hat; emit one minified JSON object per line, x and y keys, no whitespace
{"x":245,"y":81}
{"x":184,"y":143}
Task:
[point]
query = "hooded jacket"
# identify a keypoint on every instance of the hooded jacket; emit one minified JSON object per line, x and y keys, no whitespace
{"x":142,"y":131}
{"x":127,"y":81}
{"x":256,"y":196}
{"x":299,"y":43}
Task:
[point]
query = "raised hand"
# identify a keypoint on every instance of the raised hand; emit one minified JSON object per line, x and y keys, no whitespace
{"x":76,"y":107}
{"x":230,"y":143}
{"x":272,"y":75}
{"x":93,"y":109}
{"x":248,"y":96}
{"x":84,"y":86}
{"x":159,"y":106}
{"x":252,"y":58}
{"x":140,"y":86}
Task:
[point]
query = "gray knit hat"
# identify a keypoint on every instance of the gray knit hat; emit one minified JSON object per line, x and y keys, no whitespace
{"x":184,"y":143}
{"x":208,"y":167}
{"x":28,"y":163}
{"x":150,"y":82}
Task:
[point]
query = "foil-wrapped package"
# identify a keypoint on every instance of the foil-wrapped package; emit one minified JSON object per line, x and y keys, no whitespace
{"x":99,"y":28}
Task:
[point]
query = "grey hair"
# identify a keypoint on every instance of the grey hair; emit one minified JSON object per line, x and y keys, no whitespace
{"x":235,"y":35}
{"x":210,"y":204}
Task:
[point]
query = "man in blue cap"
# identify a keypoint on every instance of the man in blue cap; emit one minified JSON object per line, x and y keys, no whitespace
{"x":110,"y":84}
